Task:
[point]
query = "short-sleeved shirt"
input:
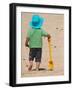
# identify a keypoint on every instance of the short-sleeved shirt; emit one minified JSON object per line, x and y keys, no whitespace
{"x":35,"y":37}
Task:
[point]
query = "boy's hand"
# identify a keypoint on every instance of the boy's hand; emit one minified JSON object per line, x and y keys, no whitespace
{"x":26,"y":42}
{"x":49,"y":37}
{"x":26,"y":45}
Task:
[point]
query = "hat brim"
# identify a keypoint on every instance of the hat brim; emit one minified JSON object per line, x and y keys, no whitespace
{"x":38,"y":25}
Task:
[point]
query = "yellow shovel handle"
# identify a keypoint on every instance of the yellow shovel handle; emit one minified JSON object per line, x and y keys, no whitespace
{"x":50,"y":49}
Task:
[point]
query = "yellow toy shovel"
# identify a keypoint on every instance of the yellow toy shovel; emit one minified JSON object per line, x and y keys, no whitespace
{"x":50,"y":62}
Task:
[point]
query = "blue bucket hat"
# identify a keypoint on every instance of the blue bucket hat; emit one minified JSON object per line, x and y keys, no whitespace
{"x":36,"y":22}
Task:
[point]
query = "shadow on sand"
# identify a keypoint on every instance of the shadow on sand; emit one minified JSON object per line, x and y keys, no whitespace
{"x":40,"y":69}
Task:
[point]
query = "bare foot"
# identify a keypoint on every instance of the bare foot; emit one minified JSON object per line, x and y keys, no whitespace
{"x":30,"y":68}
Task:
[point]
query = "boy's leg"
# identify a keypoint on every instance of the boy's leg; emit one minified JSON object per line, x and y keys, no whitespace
{"x":30,"y":65}
{"x":38,"y":58}
{"x":37,"y":65}
{"x":31,"y":58}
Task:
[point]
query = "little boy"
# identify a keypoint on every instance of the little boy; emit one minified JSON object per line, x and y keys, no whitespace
{"x":34,"y":41}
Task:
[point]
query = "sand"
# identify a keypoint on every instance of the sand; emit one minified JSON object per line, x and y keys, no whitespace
{"x":54,"y":25}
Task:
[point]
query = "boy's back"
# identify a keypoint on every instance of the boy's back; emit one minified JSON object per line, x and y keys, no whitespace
{"x":35,"y":37}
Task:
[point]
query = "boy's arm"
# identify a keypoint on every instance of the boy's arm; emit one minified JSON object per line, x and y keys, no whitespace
{"x":26,"y":42}
{"x":44,"y":33}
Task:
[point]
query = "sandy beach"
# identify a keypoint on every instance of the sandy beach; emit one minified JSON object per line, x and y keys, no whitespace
{"x":54,"y":25}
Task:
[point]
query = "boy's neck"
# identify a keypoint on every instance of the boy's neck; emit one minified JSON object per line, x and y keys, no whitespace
{"x":36,"y":28}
